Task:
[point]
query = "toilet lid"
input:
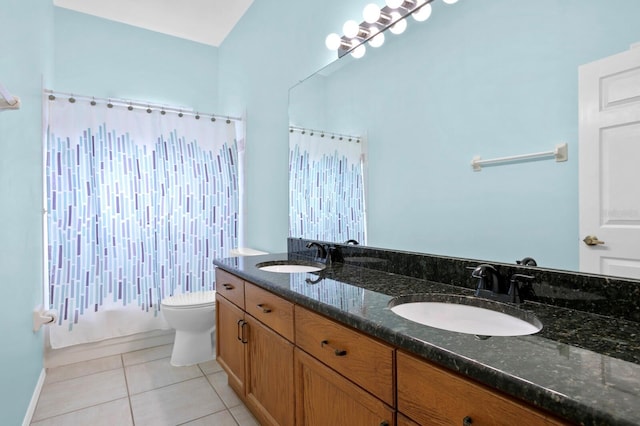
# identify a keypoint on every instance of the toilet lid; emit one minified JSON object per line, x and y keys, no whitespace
{"x":190,"y":299}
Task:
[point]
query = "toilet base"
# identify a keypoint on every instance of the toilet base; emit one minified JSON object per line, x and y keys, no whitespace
{"x":191,"y":348}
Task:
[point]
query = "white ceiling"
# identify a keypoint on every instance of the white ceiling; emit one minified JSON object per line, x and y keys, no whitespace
{"x":203,"y":21}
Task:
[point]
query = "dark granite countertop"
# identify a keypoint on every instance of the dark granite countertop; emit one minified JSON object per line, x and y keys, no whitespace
{"x":582,"y":366}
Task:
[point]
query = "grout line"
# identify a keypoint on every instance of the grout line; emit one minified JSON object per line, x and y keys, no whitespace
{"x":126,"y":383}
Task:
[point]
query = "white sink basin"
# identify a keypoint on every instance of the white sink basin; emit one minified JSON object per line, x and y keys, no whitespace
{"x":290,"y":266}
{"x":464,"y":314}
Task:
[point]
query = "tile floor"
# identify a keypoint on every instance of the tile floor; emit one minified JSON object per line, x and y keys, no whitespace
{"x":139,"y":388}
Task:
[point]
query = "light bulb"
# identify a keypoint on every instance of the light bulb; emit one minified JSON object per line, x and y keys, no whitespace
{"x":371,"y":13}
{"x":398,"y":27}
{"x":394,"y":4}
{"x":423,"y":13}
{"x":359,"y":51}
{"x":350,"y":28}
{"x":377,"y":38}
{"x":333,"y":41}
{"x":450,"y":1}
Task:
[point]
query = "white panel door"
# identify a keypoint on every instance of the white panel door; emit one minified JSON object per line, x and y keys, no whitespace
{"x":609,"y":165}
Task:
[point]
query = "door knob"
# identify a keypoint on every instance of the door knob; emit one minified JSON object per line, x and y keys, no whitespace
{"x":592,"y":240}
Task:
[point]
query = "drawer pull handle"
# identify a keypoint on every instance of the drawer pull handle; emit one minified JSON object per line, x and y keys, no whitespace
{"x":384,"y":423}
{"x":265,"y":310}
{"x":337,"y":352}
{"x":241,"y":335}
{"x":467,"y":421}
{"x":227,"y":286}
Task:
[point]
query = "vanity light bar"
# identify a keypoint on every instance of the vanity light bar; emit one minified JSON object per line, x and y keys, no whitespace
{"x":377,"y":20}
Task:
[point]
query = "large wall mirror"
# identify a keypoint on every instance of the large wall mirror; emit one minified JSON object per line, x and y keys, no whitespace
{"x":487,"y":78}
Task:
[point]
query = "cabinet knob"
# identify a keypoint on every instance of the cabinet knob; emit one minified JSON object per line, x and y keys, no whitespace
{"x":384,"y":423}
{"x":227,"y":286}
{"x":467,"y":421}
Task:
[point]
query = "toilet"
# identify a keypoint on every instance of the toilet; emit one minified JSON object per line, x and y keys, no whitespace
{"x":193,"y":316}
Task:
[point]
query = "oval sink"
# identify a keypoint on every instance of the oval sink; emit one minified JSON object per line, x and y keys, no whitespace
{"x":466,"y":314}
{"x":290,"y":266}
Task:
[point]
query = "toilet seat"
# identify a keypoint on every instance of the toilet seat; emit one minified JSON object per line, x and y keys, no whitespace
{"x":190,"y":300}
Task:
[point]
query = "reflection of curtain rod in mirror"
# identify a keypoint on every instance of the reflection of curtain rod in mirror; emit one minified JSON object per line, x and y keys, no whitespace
{"x":376,"y":21}
{"x":322,"y":134}
{"x":559,"y":153}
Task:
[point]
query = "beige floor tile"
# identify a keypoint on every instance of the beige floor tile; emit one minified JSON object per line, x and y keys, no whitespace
{"x":146,"y":355}
{"x":158,"y":373}
{"x":243,"y":416}
{"x":219,"y":383}
{"x":210,"y":367}
{"x":82,"y":392}
{"x":80,"y":369}
{"x":111,"y":413}
{"x":175,"y":404}
{"x":222,"y":418}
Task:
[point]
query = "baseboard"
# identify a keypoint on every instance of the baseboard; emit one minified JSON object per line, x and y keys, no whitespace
{"x":88,"y":351}
{"x":34,"y":399}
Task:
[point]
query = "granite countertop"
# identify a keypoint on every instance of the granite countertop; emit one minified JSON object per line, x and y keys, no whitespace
{"x":581,"y":366}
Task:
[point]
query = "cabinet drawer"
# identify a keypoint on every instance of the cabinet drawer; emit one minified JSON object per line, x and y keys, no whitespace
{"x":231,"y":287}
{"x":361,"y":359}
{"x":273,"y":311}
{"x":432,"y":395}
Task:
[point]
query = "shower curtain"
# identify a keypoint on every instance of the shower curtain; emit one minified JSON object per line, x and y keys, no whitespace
{"x":138,"y":205}
{"x":326,"y":185}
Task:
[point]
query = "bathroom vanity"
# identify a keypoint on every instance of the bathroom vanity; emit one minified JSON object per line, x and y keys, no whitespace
{"x":324,"y":348}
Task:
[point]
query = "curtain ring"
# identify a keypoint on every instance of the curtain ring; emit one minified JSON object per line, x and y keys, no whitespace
{"x":130,"y":107}
{"x":93,"y":101}
{"x":52,"y":97}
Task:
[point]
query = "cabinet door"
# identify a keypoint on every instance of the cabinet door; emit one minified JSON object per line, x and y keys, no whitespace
{"x":324,"y":397}
{"x":269,"y":385}
{"x":361,"y":359}
{"x":230,"y":342}
{"x":432,"y":395}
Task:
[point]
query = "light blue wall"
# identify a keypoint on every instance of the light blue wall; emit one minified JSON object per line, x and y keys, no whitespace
{"x":77,"y":53}
{"x":25,"y":59}
{"x":103,"y":58}
{"x":489,"y":78}
{"x":276,"y":44}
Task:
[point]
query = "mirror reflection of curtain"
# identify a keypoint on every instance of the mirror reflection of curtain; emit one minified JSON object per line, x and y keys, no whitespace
{"x":326,"y":184}
{"x":138,"y":205}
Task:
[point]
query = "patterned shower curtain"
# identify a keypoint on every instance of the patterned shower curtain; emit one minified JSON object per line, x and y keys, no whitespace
{"x":138,"y":206}
{"x":326,"y":188}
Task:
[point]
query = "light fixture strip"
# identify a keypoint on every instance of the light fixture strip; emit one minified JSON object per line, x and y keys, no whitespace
{"x":364,"y":35}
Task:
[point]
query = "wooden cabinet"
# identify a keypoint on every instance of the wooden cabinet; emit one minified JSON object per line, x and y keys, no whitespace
{"x":231,"y":287}
{"x":431,"y":395}
{"x":270,"y":385}
{"x":230,"y":343}
{"x":361,"y":359}
{"x":325,"y":397}
{"x":292,"y":366}
{"x":251,"y":349}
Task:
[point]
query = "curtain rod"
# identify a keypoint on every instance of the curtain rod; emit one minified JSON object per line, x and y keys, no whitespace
{"x":135,"y":104}
{"x":323,"y":133}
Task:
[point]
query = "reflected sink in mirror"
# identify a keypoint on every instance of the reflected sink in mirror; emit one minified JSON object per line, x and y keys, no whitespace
{"x":290,"y":266}
{"x":466,"y":314}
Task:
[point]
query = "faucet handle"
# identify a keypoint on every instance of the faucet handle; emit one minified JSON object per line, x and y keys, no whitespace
{"x":514,"y":289}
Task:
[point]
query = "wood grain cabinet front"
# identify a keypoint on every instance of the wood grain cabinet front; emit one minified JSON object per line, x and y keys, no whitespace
{"x":231,"y":287}
{"x":431,"y":395}
{"x":230,"y":342}
{"x":269,"y":386}
{"x":324,"y":397}
{"x":359,"y":358}
{"x":273,"y":311}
